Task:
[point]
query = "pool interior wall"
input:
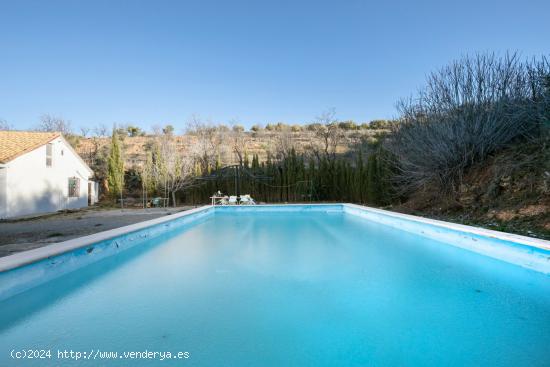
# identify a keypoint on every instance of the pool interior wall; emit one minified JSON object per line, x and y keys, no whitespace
{"x":526,"y":252}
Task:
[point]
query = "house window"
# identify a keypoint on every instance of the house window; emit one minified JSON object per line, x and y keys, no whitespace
{"x":49,"y":150}
{"x":74,"y":187}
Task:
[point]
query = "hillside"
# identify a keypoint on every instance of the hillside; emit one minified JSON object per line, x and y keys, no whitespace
{"x":509,"y":192}
{"x":262,"y":144}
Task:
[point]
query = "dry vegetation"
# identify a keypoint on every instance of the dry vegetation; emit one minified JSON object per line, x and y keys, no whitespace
{"x":509,"y":192}
{"x":261,"y":143}
{"x":484,"y":156}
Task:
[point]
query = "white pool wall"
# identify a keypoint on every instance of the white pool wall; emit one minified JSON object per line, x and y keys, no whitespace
{"x":25,"y":270}
{"x":287,"y":208}
{"x":527,"y":252}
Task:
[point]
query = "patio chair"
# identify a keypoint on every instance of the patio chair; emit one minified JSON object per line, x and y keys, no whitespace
{"x":232,"y":200}
{"x":247,"y":200}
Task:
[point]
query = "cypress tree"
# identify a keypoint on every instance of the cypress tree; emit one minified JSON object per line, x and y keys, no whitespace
{"x":148,"y":184}
{"x":373,"y":180}
{"x":115,"y":168}
{"x":359,"y":178}
{"x":246,"y":162}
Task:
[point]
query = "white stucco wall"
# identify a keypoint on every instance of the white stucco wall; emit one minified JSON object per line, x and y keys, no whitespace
{"x":32,"y":187}
{"x":94,"y":194}
{"x":3,"y":198}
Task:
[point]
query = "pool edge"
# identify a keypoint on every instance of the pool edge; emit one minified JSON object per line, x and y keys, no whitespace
{"x":527,"y":241}
{"x":527,"y":252}
{"x":23,"y":258}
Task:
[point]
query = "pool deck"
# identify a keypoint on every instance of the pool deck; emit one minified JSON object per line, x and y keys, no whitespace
{"x":33,"y":232}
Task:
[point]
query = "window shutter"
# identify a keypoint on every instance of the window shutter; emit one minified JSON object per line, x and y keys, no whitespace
{"x":49,"y":154}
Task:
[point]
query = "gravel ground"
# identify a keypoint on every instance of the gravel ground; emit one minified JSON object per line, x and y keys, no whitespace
{"x":28,"y":233}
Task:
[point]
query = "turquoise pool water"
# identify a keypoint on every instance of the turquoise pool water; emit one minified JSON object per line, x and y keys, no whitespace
{"x":288,"y":289}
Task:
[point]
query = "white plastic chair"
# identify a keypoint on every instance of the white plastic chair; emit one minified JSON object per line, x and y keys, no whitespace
{"x":247,"y":200}
{"x":232,"y":200}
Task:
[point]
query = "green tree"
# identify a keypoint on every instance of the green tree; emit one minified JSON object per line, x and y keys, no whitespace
{"x":281,"y":126}
{"x":347,"y":125}
{"x":379,"y":124}
{"x":168,"y":130}
{"x":115,"y":171}
{"x":147,"y":178}
{"x":134,"y":131}
{"x":237,"y":128}
{"x":373,"y":180}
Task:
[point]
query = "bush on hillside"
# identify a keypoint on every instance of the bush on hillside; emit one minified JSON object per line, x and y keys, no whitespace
{"x":467,"y":111}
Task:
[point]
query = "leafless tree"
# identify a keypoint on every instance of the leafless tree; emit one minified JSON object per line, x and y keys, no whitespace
{"x":4,"y":125}
{"x":95,"y":155}
{"x":326,"y":135}
{"x":468,"y":110}
{"x":84,"y":131}
{"x":53,"y":123}
{"x":100,"y":130}
{"x":240,"y":141}
{"x":172,"y":170}
{"x":207,"y":141}
{"x":284,"y":143}
{"x":58,"y":124}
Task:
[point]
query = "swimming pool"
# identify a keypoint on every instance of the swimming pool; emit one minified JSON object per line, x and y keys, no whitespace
{"x":299,"y":285}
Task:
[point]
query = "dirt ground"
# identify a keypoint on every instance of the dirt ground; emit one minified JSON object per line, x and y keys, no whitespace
{"x":28,"y":233}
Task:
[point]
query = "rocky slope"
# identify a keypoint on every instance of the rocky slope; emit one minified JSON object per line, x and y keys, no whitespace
{"x":510,"y":192}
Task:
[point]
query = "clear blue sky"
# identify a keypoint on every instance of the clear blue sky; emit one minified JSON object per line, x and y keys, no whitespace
{"x":158,"y":62}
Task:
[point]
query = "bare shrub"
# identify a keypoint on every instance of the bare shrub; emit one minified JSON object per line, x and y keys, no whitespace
{"x":171,"y":170}
{"x":326,"y":135}
{"x":468,"y":110}
{"x":53,"y":123}
{"x":239,"y":141}
{"x":206,"y":147}
{"x":284,"y":144}
{"x":4,"y":125}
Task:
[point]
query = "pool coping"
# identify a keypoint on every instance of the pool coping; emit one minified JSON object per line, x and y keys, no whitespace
{"x":23,"y":258}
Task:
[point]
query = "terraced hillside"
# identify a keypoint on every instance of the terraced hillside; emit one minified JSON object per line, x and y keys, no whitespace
{"x":263,"y":144}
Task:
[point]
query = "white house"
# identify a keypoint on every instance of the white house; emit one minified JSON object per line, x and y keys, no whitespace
{"x":39,"y":173}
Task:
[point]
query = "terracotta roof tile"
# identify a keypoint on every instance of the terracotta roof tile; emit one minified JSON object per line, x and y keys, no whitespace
{"x":15,"y":143}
